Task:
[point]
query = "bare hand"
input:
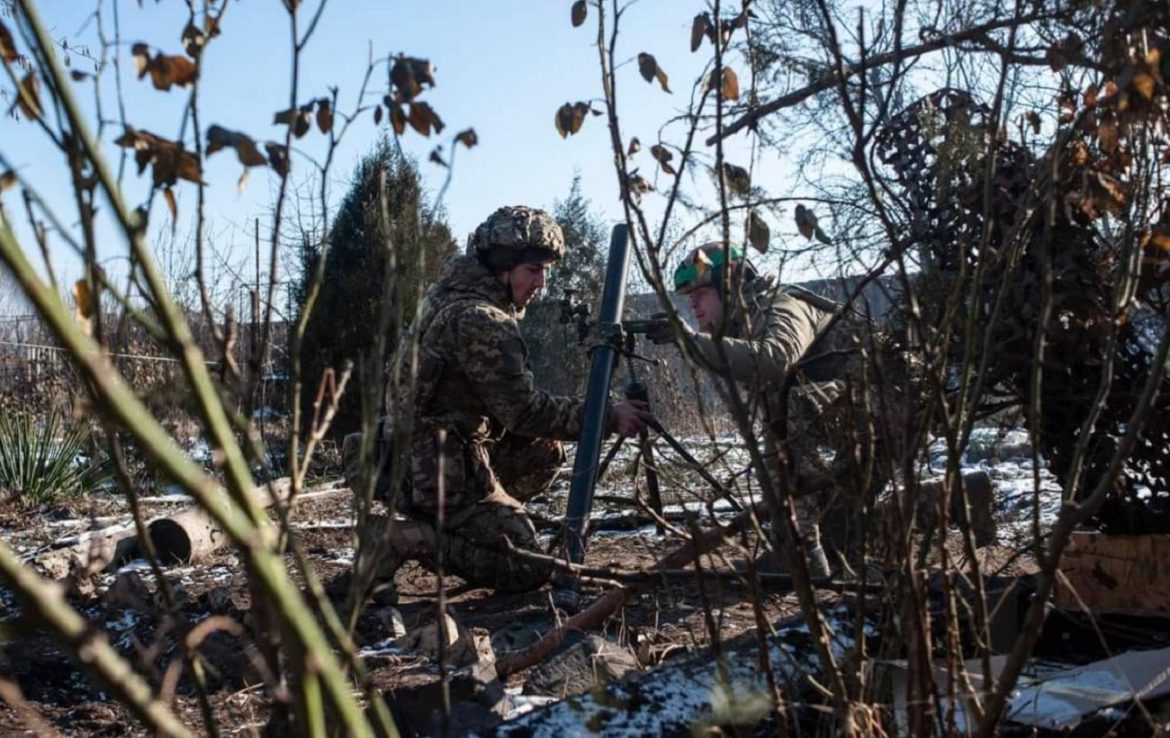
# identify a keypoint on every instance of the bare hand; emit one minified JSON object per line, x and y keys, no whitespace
{"x":630,"y":417}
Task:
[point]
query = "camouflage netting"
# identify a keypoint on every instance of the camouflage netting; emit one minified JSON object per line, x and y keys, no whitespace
{"x":965,"y":219}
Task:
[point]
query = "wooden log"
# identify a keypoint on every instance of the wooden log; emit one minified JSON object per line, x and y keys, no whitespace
{"x":192,"y":535}
{"x":1116,"y":574}
{"x":177,"y":538}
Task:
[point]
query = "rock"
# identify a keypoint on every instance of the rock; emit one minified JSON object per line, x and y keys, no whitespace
{"x":580,"y":665}
{"x":478,"y":701}
{"x":461,"y":644}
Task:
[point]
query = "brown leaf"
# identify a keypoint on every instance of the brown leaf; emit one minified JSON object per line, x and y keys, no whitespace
{"x":141,"y":55}
{"x":1107,"y":135}
{"x":377,"y":115}
{"x":758,"y":232}
{"x":324,"y":115}
{"x":28,"y":97}
{"x":635,"y":146}
{"x":397,"y":119}
{"x":7,"y":179}
{"x":1033,"y":119}
{"x":570,"y":117}
{"x":408,"y":75}
{"x":638,"y":185}
{"x":167,"y":71}
{"x":79,"y":76}
{"x":168,"y":160}
{"x":663,"y":157}
{"x":278,"y":157}
{"x":7,"y":45}
{"x":737,"y":178}
{"x":1145,"y":84}
{"x":700,"y":27}
{"x":437,"y":156}
{"x":423,"y":118}
{"x":729,"y":90}
{"x":173,"y":206}
{"x":578,"y":13}
{"x":85,"y":301}
{"x":301,"y":119}
{"x":246,"y":149}
{"x":467,"y":138}
{"x":806,"y":221}
{"x":648,"y":67}
{"x":193,"y":39}
{"x":1091,"y":96}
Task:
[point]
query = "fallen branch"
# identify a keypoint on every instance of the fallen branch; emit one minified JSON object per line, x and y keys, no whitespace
{"x":611,"y":601}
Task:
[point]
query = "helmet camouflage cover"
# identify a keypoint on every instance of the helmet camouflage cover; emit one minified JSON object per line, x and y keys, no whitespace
{"x":702,"y":267}
{"x":516,"y":234}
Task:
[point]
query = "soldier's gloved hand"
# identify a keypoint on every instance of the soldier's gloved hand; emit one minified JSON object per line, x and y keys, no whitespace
{"x":663,"y":331}
{"x":630,"y":417}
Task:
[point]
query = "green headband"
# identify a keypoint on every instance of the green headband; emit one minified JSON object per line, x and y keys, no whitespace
{"x":688,"y":272}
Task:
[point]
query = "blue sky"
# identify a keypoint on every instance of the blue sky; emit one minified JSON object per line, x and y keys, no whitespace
{"x":503,"y":67}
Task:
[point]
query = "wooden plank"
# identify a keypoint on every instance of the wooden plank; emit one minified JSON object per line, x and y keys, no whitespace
{"x":1116,"y":574}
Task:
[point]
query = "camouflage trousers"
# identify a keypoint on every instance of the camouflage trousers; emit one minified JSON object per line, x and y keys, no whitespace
{"x":480,"y":527}
{"x":827,"y":443}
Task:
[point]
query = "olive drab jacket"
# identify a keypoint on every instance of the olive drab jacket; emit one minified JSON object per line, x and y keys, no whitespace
{"x":473,"y":381}
{"x":783,"y":327}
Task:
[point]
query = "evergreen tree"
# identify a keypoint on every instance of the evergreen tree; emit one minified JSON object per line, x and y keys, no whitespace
{"x":583,"y":268}
{"x":348,"y":311}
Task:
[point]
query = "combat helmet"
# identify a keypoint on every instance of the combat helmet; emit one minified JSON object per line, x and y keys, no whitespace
{"x":704,"y":266}
{"x":517,"y":234}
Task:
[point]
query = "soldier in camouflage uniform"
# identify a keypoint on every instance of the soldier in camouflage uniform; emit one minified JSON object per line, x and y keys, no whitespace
{"x":474,"y":405}
{"x":768,"y":331}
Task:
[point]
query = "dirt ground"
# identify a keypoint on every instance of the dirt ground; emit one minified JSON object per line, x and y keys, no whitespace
{"x":48,"y":689}
{"x":44,"y":692}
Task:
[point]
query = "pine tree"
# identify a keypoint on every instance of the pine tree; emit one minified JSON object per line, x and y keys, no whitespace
{"x":583,"y":268}
{"x":348,"y":310}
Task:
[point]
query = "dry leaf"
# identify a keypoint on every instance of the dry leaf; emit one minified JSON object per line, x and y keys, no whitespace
{"x":578,"y":13}
{"x":638,"y":185}
{"x":165,"y":71}
{"x":663,"y":157}
{"x":397,"y":119}
{"x":377,"y":115}
{"x":7,"y":45}
{"x":84,"y":300}
{"x":700,"y":27}
{"x":28,"y":97}
{"x":193,"y":39}
{"x":249,"y":155}
{"x":173,"y":206}
{"x":437,"y":156}
{"x":635,"y":146}
{"x":423,"y":118}
{"x":648,"y":67}
{"x":737,"y":179}
{"x":1107,"y":135}
{"x":408,"y":75}
{"x":758,"y":232}
{"x":806,"y":221}
{"x":729,"y":90}
{"x":277,"y":157}
{"x":570,"y":118}
{"x":140,"y":52}
{"x":168,"y":160}
{"x":301,"y":119}
{"x":324,"y":115}
{"x":1091,"y":96}
{"x":7,"y":179}
{"x":1144,"y":83}
{"x":467,"y":138}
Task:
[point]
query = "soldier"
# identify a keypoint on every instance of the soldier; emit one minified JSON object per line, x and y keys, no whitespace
{"x":776,"y":347}
{"x":474,"y":405}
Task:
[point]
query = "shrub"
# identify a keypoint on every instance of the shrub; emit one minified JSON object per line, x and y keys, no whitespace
{"x":41,"y":462}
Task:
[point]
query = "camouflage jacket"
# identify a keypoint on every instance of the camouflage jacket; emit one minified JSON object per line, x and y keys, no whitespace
{"x":473,"y":372}
{"x":782,"y":328}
